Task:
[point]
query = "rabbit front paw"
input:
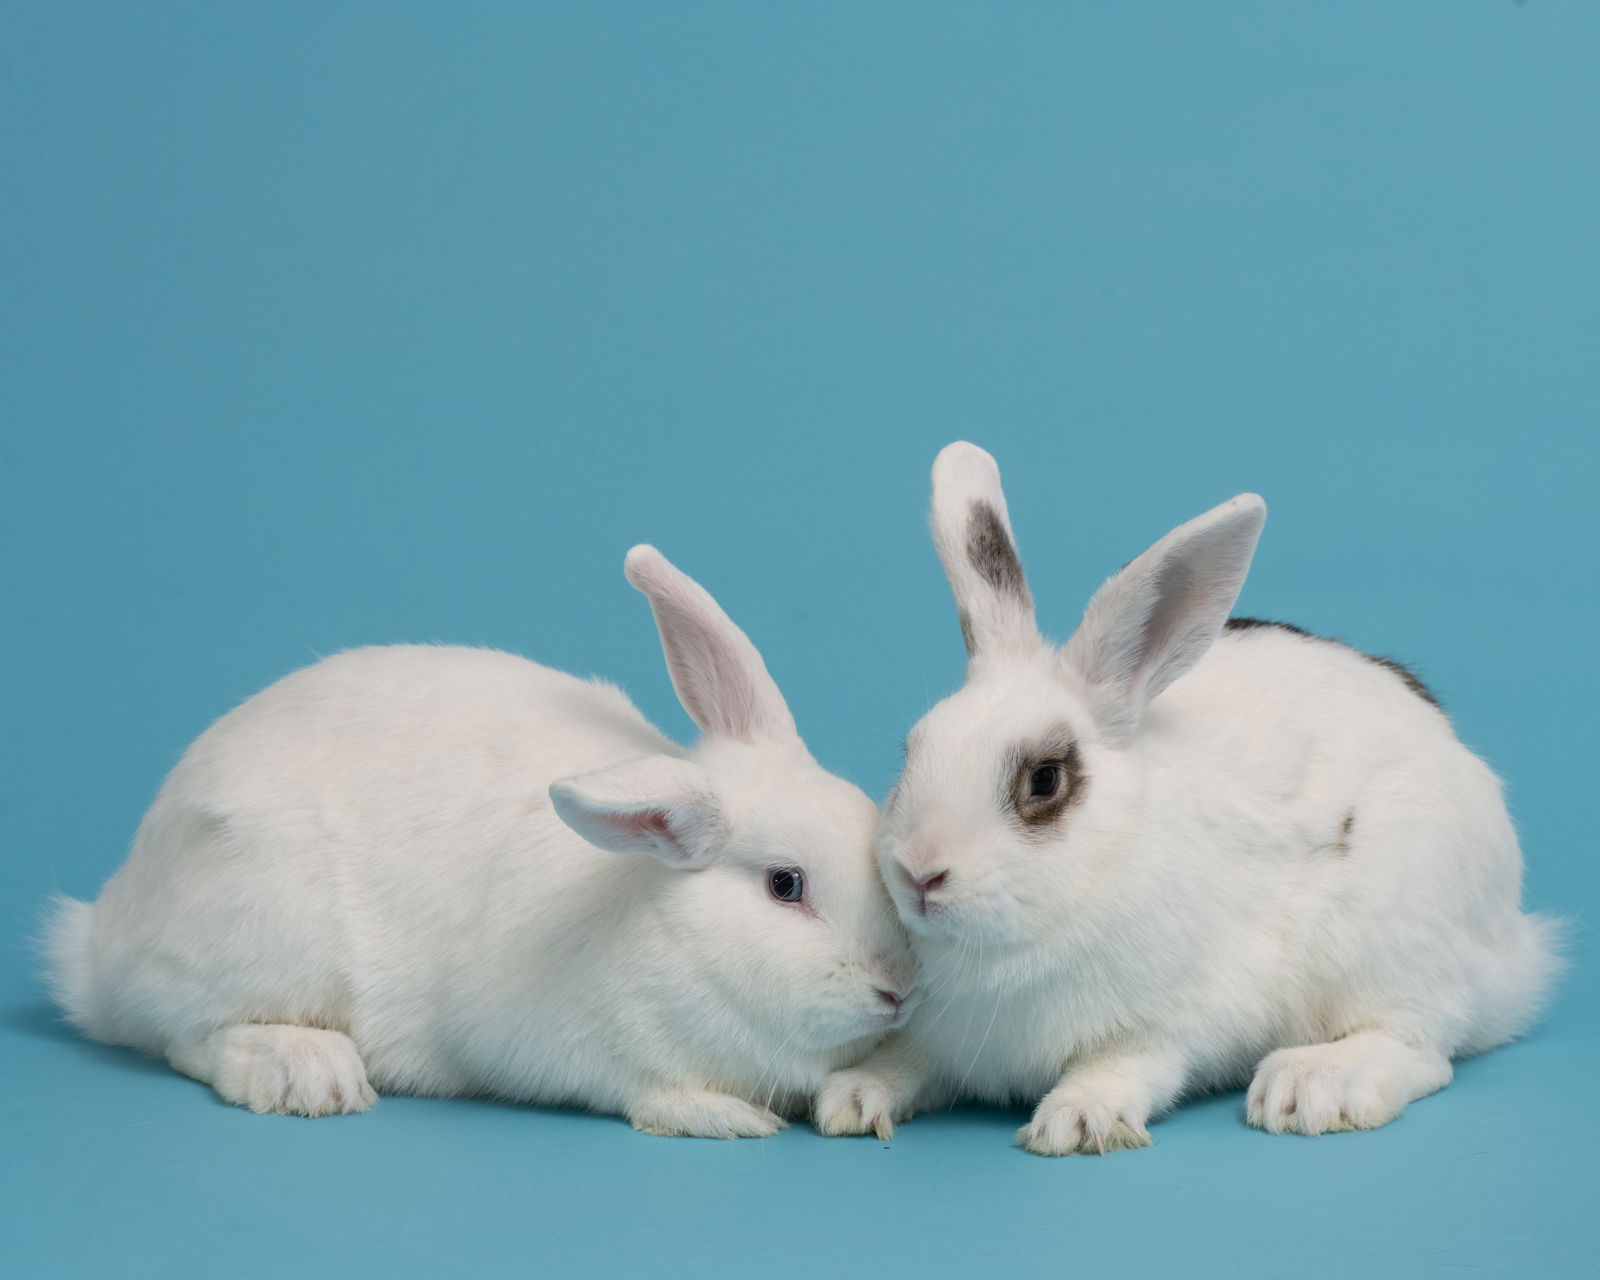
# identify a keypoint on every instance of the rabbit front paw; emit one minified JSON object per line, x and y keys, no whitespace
{"x":693,"y":1113}
{"x":1079,"y":1126}
{"x":856,"y":1102}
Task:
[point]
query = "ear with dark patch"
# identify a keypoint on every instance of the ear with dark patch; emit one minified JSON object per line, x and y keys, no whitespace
{"x":1153,"y":621}
{"x":973,"y":535}
{"x":659,"y":805}
{"x":718,"y":674}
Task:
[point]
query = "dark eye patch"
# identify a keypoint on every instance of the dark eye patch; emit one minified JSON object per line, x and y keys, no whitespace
{"x":1042,"y":780}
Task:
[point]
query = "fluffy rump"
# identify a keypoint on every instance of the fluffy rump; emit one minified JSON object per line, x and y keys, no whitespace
{"x":64,"y":944}
{"x":1532,"y":968}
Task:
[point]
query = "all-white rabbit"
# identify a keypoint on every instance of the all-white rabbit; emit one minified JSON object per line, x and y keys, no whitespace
{"x":452,"y":871}
{"x":1179,"y":850}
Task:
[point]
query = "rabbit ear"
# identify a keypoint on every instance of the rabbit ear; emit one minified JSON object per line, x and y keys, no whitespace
{"x":973,"y":535}
{"x":659,"y":805}
{"x":1156,"y":619}
{"x":720,"y":678}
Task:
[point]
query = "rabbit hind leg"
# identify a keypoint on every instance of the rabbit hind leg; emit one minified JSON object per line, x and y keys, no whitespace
{"x":288,"y":1070}
{"x":1360,"y":1082}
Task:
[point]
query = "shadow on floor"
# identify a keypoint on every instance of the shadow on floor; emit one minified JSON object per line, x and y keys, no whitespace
{"x":39,"y":1020}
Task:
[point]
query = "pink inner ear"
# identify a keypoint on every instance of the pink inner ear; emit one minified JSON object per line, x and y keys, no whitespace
{"x":653,"y":827}
{"x":648,"y":824}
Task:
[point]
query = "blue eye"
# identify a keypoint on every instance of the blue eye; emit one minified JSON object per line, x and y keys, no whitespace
{"x":786,"y":884}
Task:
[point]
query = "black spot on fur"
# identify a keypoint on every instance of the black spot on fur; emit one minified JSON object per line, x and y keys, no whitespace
{"x":1250,"y":624}
{"x":967,"y":639}
{"x":990,"y":552}
{"x":1408,"y":677}
{"x":1033,"y":813}
{"x":1341,"y":846}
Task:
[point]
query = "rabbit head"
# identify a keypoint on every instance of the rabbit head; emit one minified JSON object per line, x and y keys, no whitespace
{"x":767,"y":881}
{"x":1019,"y":792}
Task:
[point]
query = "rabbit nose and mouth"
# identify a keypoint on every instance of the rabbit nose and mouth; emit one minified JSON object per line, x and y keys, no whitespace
{"x":926,"y":886}
{"x":894,"y":1003}
{"x":919,"y":877}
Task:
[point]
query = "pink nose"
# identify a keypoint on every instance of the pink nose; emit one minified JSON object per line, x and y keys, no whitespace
{"x":928,"y":883}
{"x":894,"y":999}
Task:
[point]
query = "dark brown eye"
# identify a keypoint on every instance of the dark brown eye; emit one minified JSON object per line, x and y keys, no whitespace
{"x":786,"y":884}
{"x":1045,"y":781}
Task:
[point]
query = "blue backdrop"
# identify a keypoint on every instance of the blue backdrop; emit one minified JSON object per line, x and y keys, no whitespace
{"x":332,"y":324}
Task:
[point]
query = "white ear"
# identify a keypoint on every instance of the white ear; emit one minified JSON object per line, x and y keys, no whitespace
{"x":973,"y":535}
{"x":719,"y":676}
{"x":1156,"y":619}
{"x":659,"y":805}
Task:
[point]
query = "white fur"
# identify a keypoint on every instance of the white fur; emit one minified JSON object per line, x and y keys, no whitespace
{"x":1201,"y":908}
{"x":361,"y":880}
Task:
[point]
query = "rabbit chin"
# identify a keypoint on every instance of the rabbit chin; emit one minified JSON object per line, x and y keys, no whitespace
{"x":822,"y":1030}
{"x":826,"y":1037}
